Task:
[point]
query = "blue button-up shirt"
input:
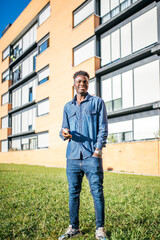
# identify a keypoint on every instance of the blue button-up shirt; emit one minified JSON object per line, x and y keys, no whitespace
{"x":88,"y":126}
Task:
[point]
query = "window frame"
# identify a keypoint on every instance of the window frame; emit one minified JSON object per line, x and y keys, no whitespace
{"x":42,"y":41}
{"x":79,"y":8}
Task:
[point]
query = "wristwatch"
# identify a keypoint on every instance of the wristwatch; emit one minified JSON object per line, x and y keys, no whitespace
{"x":99,"y":152}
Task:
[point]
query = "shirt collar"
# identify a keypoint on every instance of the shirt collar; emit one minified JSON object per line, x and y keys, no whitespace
{"x":88,"y":97}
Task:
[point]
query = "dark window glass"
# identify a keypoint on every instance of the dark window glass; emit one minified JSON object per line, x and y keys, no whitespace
{"x":16,"y":75}
{"x":30,"y":94}
{"x":30,"y":128}
{"x":34,"y":62}
{"x":44,"y":46}
{"x":43,"y":80}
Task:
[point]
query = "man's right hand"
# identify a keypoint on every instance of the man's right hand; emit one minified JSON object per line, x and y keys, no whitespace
{"x":66,"y":134}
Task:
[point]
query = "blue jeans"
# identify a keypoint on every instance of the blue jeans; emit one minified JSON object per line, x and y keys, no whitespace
{"x":93,"y":169}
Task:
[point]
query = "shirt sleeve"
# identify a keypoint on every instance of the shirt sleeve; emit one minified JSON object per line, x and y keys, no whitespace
{"x":102,"y":127}
{"x":65,"y":123}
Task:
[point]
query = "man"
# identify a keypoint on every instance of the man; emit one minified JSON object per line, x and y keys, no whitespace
{"x":85,"y":126}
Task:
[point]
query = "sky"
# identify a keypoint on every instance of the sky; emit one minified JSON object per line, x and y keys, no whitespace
{"x":10,"y":10}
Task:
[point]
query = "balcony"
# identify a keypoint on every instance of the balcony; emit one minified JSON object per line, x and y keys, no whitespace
{"x":18,"y":54}
{"x":120,"y":13}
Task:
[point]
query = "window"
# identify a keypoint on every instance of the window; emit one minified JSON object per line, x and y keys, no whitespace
{"x":30,"y":37}
{"x":137,"y":86}
{"x":43,"y":76}
{"x":144,"y":36}
{"x":16,"y":50}
{"x":105,"y":50}
{"x":43,"y":107}
{"x":4,"y":122}
{"x":130,"y":38}
{"x":30,"y":94}
{"x":126,"y":38}
{"x":92,"y":87}
{"x":16,"y":145}
{"x":43,"y":140}
{"x":127,"y":89}
{"x":117,"y":98}
{"x":6,"y":53}
{"x":5,"y":98}
{"x":28,"y":64}
{"x":111,"y":93}
{"x":84,"y":52}
{"x":17,"y":74}
{"x":16,"y":98}
{"x":124,"y":4}
{"x":115,"y":45}
{"x":44,"y":45}
{"x":16,"y":123}
{"x":5,"y":75}
{"x":120,"y":131}
{"x":33,"y":143}
{"x":146,"y":128}
{"x":83,"y":12}
{"x":44,"y":14}
{"x":4,"y":146}
{"x":146,"y":83}
{"x":28,"y":120}
{"x":34,"y":62}
{"x":110,"y":8}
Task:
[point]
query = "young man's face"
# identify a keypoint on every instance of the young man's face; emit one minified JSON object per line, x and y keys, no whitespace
{"x":81,"y":84}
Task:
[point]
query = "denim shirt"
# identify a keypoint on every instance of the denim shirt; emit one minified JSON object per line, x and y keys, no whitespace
{"x":88,"y":126}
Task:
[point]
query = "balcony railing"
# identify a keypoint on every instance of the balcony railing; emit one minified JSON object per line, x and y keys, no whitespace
{"x":125,"y":4}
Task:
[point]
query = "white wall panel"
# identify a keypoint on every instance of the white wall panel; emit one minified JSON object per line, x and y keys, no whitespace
{"x":145,"y":29}
{"x":43,"y":140}
{"x":44,"y":15}
{"x":84,"y":53}
{"x":4,"y":146}
{"x":43,"y":107}
{"x":146,"y":83}
{"x":145,"y":128}
{"x":125,"y":126}
{"x":5,"y":122}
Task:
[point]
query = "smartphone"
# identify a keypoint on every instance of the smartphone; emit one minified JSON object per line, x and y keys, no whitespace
{"x":65,"y":130}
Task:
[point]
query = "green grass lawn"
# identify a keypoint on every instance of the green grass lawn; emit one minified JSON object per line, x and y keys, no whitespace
{"x":34,"y":204}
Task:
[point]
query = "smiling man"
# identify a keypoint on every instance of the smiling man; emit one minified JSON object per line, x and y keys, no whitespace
{"x":85,"y":127}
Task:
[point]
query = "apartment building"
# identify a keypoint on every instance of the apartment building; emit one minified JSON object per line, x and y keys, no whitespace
{"x":118,"y":43}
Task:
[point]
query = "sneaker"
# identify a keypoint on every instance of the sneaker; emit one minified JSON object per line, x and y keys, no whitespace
{"x":101,"y":234}
{"x":69,"y":233}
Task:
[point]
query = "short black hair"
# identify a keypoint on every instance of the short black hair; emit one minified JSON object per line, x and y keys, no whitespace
{"x":81,"y":72}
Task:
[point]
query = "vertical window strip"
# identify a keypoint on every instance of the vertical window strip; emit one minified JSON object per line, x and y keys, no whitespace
{"x":136,"y":35}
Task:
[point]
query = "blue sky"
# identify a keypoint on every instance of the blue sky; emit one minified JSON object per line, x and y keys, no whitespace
{"x":10,"y":10}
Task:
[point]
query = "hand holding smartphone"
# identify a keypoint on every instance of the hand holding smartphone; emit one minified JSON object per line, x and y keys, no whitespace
{"x":66,"y":134}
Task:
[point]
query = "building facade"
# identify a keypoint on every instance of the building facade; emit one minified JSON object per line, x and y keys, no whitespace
{"x":118,"y":43}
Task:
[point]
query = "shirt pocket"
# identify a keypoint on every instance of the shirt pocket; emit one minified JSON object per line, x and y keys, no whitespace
{"x":91,"y":115}
{"x":72,"y":118}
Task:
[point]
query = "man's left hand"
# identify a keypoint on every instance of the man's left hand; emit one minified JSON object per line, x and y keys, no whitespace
{"x":96,"y":154}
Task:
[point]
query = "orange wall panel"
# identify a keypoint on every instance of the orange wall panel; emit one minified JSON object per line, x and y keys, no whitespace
{"x":5,"y":109}
{"x":43,"y":59}
{"x":83,"y":31}
{"x":43,"y":29}
{"x":4,"y":133}
{"x":4,"y":87}
{"x":135,"y":157}
{"x":42,"y":91}
{"x":42,"y":123}
{"x":4,"y":66}
{"x":88,"y":65}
